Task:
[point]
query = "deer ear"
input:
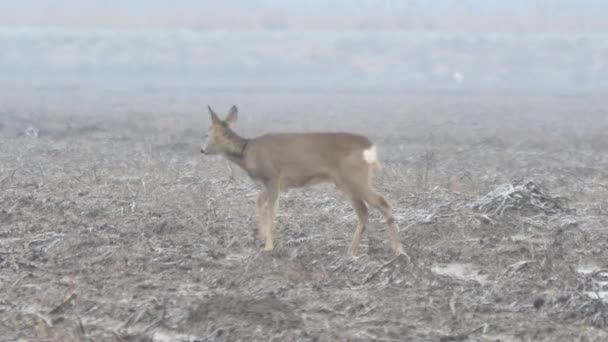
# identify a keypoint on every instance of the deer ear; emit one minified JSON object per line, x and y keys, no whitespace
{"x":233,"y":116}
{"x":214,"y":117}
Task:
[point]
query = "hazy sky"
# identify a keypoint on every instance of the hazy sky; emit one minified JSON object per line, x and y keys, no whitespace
{"x":248,"y":14}
{"x":319,"y":43}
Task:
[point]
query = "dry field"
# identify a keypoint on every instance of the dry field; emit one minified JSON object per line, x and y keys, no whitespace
{"x":113,"y":227}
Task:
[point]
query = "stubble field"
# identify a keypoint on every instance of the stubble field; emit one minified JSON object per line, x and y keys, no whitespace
{"x":114,"y":227}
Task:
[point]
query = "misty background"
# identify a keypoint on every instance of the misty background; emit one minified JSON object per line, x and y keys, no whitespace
{"x":312,"y":46}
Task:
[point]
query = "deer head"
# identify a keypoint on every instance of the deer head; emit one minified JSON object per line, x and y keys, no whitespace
{"x":220,"y":138}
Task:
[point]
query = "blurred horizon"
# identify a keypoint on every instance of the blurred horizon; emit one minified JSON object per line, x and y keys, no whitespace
{"x":541,"y":45}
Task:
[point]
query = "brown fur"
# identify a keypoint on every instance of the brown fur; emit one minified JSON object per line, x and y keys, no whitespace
{"x":294,"y":160}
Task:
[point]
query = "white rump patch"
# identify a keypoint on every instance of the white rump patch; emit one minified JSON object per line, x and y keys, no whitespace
{"x":370,"y":155}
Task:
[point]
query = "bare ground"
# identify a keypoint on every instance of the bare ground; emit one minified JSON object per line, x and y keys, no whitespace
{"x":114,"y":227}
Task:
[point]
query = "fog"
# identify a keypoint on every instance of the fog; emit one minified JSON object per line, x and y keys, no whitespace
{"x":388,"y":46}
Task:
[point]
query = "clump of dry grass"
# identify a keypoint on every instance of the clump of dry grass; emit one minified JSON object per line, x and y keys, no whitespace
{"x":523,"y":197}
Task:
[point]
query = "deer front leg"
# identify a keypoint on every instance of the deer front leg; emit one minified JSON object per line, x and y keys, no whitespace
{"x":231,"y":171}
{"x":272,"y":196}
{"x":262,"y":215}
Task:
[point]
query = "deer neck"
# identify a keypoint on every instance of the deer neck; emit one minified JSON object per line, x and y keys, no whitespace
{"x":237,"y":150}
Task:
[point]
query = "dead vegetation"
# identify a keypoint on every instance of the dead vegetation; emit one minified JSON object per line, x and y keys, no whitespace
{"x":125,"y":232}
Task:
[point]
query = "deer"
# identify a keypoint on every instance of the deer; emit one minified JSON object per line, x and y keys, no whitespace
{"x":282,"y":161}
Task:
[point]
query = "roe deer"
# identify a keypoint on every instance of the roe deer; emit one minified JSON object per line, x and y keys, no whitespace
{"x":291,"y":160}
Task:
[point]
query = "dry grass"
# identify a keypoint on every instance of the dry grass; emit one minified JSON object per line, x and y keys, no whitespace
{"x":115,"y":228}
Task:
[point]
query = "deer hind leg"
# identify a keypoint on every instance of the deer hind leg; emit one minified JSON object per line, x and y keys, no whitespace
{"x":358,"y":182}
{"x":270,"y":209}
{"x":362,"y":217}
{"x":377,"y":201}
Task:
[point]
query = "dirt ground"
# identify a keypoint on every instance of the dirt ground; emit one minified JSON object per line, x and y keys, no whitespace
{"x":114,"y":227}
